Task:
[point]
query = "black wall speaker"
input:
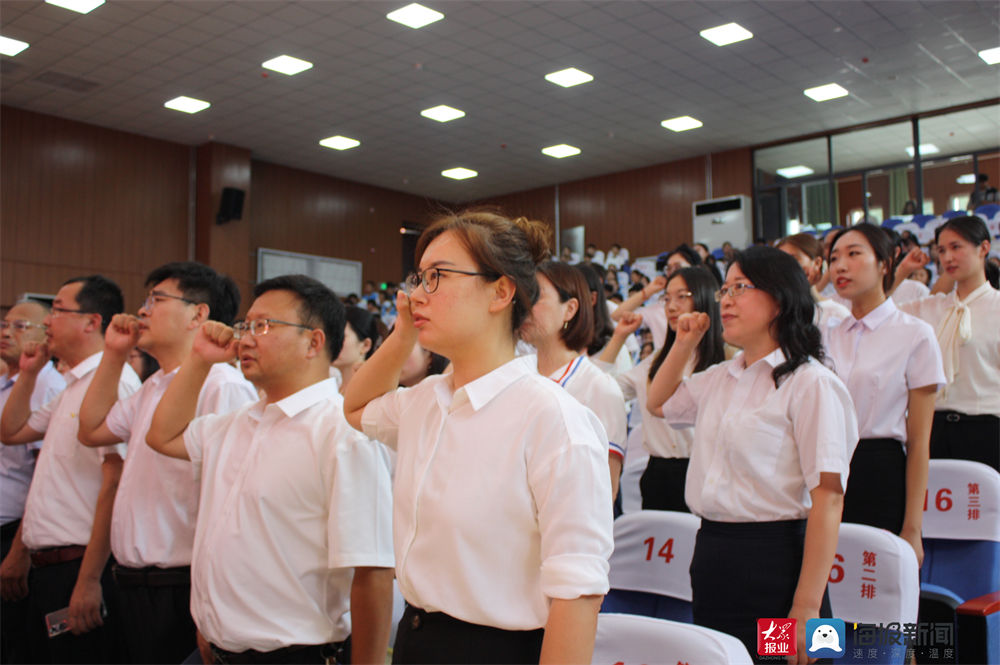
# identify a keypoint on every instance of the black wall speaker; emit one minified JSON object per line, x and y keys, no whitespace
{"x":230,"y":205}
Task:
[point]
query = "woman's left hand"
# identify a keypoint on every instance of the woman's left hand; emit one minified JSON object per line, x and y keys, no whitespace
{"x":801,"y":616}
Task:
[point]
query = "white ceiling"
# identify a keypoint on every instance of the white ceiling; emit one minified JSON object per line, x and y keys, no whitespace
{"x":372,"y":77}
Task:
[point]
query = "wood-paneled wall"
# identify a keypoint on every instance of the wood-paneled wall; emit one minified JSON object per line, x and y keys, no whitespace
{"x":299,"y":211}
{"x":78,"y":199}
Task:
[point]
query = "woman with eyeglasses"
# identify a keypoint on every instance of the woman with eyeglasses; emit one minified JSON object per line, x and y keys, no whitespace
{"x":967,"y":324}
{"x":560,"y":328}
{"x":773,"y":433}
{"x":687,"y":290}
{"x":502,"y":497}
{"x":891,"y":363}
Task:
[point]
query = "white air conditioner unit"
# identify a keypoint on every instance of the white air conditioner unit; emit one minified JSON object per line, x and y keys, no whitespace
{"x":719,"y":220}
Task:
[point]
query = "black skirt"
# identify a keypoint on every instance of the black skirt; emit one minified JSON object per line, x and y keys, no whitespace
{"x":435,"y":637}
{"x":876,"y":488}
{"x":744,"y":571}
{"x":662,"y":484}
{"x":959,"y":436}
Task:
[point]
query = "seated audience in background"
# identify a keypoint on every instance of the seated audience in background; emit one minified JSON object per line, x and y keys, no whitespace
{"x":773,"y":433}
{"x":617,"y":256}
{"x":23,"y":324}
{"x":67,"y":517}
{"x":297,"y":476}
{"x":156,"y":506}
{"x":502,"y":519}
{"x":593,"y":255}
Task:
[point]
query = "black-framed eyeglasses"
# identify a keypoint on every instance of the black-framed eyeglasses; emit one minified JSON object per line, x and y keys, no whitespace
{"x":734,"y":291}
{"x":158,"y":296}
{"x":259,"y":327}
{"x":681,"y":296}
{"x":19,"y":325}
{"x":58,"y":311}
{"x":430,"y":278}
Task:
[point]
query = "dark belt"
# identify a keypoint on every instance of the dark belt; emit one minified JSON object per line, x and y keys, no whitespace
{"x":293,"y":653}
{"x":152,"y":576}
{"x":54,"y":555}
{"x":955,"y":417}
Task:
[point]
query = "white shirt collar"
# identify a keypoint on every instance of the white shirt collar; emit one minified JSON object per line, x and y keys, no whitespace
{"x":480,"y":392}
{"x":774,"y":358}
{"x":874,"y":318}
{"x":84,"y":367}
{"x":298,"y":402}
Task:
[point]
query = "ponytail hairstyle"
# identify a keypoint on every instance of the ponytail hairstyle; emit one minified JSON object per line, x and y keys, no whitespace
{"x":702,"y":286}
{"x":569,"y":283}
{"x":500,"y":247}
{"x":779,"y":275}
{"x":603,"y":328}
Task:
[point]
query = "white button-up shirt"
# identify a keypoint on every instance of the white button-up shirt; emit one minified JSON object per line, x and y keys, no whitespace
{"x":502,"y":495}
{"x":881,"y":358}
{"x":759,"y":450}
{"x":599,"y":392}
{"x":67,"y":481}
{"x":17,"y":463}
{"x":976,"y":389}
{"x":157,"y":501}
{"x":658,"y":437}
{"x":292,"y":500}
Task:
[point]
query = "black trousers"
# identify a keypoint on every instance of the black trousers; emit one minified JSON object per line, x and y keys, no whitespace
{"x":876,"y":488}
{"x":958,"y":436}
{"x":435,"y":637}
{"x":662,"y":484}
{"x":14,"y":644}
{"x":309,"y":654}
{"x":155,"y":615}
{"x":51,"y":588}
{"x":746,"y":571}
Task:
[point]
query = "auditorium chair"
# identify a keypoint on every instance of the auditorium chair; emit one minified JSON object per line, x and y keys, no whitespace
{"x":649,"y":567}
{"x":634,"y":640}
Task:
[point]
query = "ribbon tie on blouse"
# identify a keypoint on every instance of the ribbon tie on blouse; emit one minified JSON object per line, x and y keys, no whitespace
{"x":954,"y":331}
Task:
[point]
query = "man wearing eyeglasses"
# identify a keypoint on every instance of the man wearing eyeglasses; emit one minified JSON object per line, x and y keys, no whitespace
{"x":67,"y":516}
{"x":152,"y":526}
{"x":21,"y":325}
{"x":293,"y":545}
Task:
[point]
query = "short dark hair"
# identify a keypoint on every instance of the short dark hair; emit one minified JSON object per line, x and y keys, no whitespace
{"x":702,"y":286}
{"x":319,"y":307}
{"x":882,"y":244}
{"x":779,"y":275}
{"x":99,"y":295}
{"x":569,"y":283}
{"x":201,"y":284}
{"x":363,"y":324}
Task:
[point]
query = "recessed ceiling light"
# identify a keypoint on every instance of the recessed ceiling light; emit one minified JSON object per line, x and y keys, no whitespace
{"x":339,"y":142}
{"x":795,"y":171}
{"x":442,"y":113}
{"x":459,"y":173}
{"x":991,"y":55}
{"x":925,"y":149}
{"x":561,"y":150}
{"x":681,"y":124}
{"x":187,"y":104}
{"x":567,"y":78}
{"x":10,"y":46}
{"x":415,"y":16}
{"x":286,"y":64}
{"x":81,"y":6}
{"x":822,"y":93}
{"x":723,"y":35}
{"x":966,"y":179}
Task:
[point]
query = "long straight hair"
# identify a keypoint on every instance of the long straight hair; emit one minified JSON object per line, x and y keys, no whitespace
{"x":702,"y":286}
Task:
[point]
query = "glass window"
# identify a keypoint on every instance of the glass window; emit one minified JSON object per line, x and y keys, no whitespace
{"x":807,"y":159}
